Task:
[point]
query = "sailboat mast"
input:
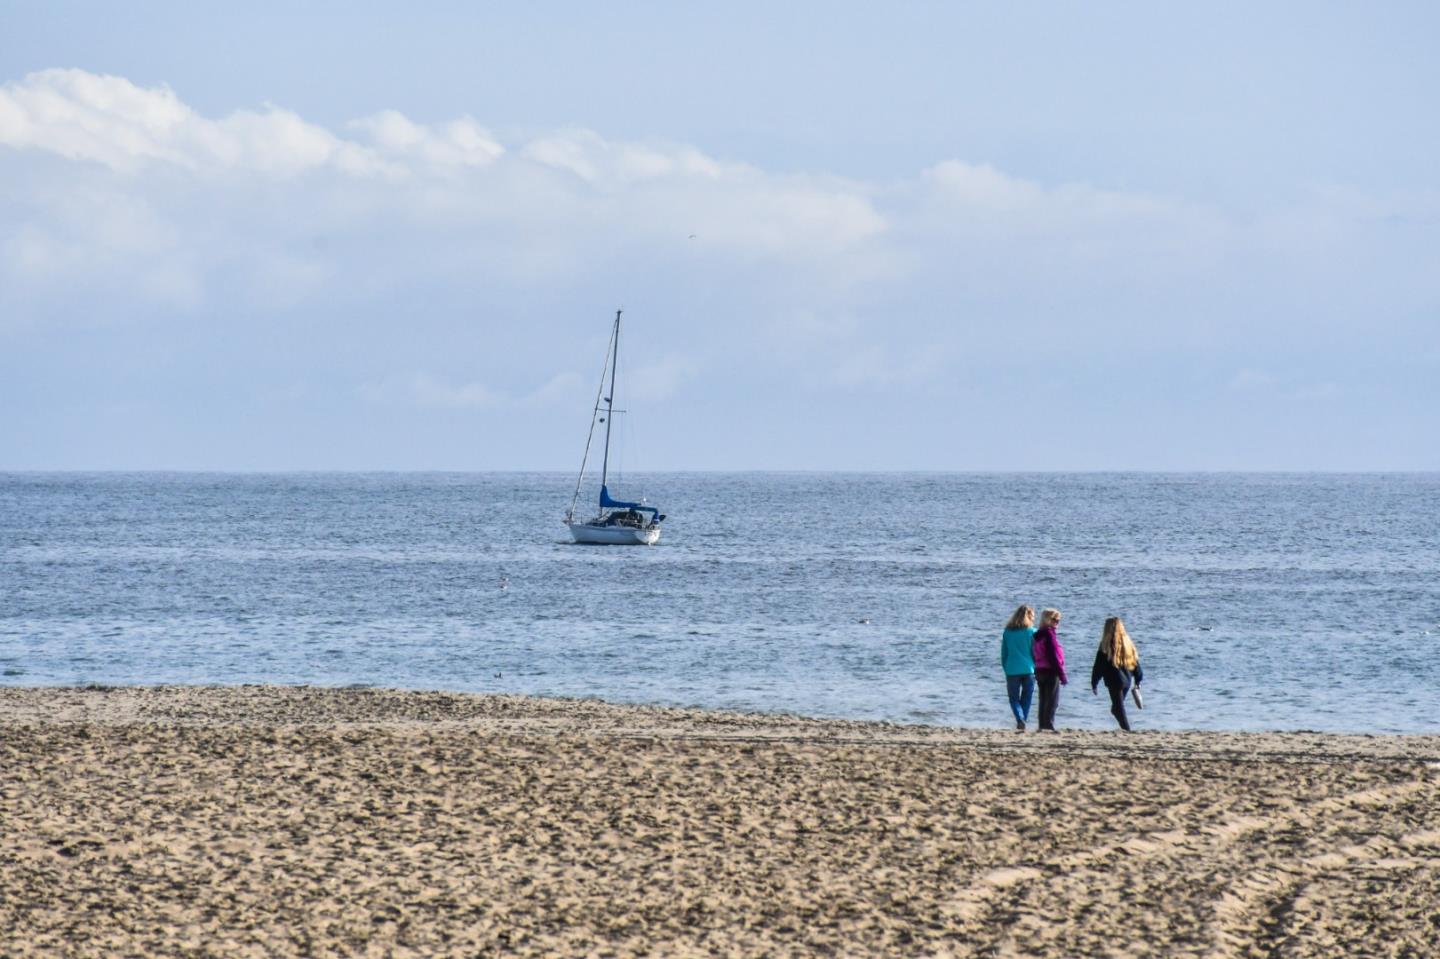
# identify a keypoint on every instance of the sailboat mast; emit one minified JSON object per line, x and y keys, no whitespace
{"x":610,"y":399}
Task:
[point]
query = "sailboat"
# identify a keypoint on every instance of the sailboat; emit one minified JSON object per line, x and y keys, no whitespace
{"x":617,"y":522}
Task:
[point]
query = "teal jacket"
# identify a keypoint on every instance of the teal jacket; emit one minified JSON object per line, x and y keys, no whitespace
{"x":1016,"y":655}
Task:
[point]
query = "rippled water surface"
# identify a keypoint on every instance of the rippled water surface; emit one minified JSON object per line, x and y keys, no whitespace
{"x":1257,"y":601}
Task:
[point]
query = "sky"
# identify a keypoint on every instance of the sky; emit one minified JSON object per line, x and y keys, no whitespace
{"x":846,"y":236}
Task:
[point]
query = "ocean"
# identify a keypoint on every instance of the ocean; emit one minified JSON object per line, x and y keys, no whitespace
{"x":1257,"y":601}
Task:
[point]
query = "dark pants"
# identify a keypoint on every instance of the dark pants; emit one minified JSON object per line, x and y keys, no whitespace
{"x":1118,"y":692}
{"x":1048,"y":682}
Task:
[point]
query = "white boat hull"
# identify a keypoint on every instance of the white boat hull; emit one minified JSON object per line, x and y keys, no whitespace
{"x":614,"y":535}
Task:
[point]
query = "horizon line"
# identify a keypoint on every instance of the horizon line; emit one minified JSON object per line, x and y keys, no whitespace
{"x":798,"y":471}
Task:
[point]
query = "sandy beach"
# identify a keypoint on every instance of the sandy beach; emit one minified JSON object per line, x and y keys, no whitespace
{"x":256,"y":821}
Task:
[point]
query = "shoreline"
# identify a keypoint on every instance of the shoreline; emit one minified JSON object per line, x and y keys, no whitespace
{"x":20,"y":700}
{"x":235,"y":820}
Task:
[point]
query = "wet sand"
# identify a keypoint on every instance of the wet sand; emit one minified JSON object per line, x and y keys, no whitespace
{"x":259,"y":821}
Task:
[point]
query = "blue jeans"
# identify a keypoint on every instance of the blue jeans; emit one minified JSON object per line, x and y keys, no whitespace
{"x":1020,"y":688}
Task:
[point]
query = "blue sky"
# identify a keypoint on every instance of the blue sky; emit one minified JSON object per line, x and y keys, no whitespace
{"x":940,"y":236}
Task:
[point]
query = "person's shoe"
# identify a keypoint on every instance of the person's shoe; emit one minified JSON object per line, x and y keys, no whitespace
{"x":1019,"y":725}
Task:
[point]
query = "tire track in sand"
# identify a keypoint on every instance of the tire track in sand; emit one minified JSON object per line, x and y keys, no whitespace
{"x":1266,"y":903}
{"x":1010,"y":909}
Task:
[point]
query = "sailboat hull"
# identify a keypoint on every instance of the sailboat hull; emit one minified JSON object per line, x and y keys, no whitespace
{"x":614,"y":535}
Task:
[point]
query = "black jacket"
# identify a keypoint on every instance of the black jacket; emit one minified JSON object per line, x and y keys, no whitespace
{"x":1112,"y":674}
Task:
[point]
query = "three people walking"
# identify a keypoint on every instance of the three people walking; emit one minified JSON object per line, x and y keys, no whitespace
{"x":1034,"y":660}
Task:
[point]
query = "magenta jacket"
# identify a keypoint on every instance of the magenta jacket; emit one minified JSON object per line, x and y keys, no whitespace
{"x":1049,"y":654}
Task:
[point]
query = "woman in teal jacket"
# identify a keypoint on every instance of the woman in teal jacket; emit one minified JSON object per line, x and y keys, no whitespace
{"x":1018,"y":660}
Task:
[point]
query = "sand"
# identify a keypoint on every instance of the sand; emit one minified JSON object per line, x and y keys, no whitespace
{"x":260,"y":821}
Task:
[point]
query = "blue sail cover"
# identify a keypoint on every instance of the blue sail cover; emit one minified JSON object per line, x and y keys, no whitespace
{"x":606,"y":501}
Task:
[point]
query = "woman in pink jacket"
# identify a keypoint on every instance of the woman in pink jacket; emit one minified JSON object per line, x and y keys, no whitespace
{"x":1049,"y":666}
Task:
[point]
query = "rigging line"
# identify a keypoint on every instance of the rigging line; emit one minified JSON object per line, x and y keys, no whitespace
{"x":599,"y":391}
{"x":610,"y":400}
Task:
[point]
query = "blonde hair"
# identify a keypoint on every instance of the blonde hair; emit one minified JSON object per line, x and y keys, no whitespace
{"x":1116,"y":645}
{"x":1049,"y":617}
{"x":1022,"y":617}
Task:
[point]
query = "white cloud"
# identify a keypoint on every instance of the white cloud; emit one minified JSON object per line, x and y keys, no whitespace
{"x":460,"y":143}
{"x":667,"y":193}
{"x":982,"y":188}
{"x":655,"y":190}
{"x":126,"y":187}
{"x":1072,"y":223}
{"x":279,"y":143}
{"x":88,"y":117}
{"x":109,"y":240}
{"x":111,"y":121}
{"x":566,"y":201}
{"x":590,"y":157}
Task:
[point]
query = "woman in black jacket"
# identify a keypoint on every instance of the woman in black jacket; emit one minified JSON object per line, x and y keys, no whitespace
{"x":1118,"y":663}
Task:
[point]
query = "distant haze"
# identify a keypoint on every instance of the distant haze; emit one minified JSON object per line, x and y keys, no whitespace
{"x":943,"y":236}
